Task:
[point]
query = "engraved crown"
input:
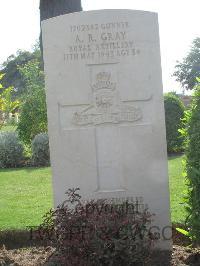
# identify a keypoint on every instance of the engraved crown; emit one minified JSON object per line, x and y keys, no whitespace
{"x":103,"y":81}
{"x":103,"y":76}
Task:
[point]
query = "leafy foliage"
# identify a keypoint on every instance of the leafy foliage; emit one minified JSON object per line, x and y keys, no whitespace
{"x":7,"y":104}
{"x":40,"y":150}
{"x":192,"y":165}
{"x":33,"y":111}
{"x":11,"y":150}
{"x":13,"y":77}
{"x":32,"y":76}
{"x":97,"y":232}
{"x":187,"y":70}
{"x":174,"y":112}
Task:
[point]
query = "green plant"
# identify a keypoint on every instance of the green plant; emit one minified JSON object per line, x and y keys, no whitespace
{"x":191,"y":132}
{"x":7,"y":104}
{"x":33,"y":111}
{"x":11,"y":121}
{"x":12,"y":69}
{"x":11,"y":150}
{"x":174,"y":112}
{"x":40,"y":150}
{"x":184,"y":232}
{"x":98,"y":232}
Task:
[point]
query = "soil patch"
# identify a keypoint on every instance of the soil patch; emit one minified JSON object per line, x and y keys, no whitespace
{"x":36,"y":256}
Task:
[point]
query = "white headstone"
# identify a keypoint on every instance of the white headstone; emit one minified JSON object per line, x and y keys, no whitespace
{"x":105,"y":108}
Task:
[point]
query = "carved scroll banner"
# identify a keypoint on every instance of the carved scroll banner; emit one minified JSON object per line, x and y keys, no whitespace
{"x":105,"y":108}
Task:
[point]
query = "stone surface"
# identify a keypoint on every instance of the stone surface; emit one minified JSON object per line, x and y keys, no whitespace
{"x":105,"y":108}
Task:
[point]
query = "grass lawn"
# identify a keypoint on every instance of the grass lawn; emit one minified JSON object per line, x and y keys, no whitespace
{"x":177,"y":188}
{"x":26,"y":194}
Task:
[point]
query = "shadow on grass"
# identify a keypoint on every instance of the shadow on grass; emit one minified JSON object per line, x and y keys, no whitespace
{"x":27,"y":169}
{"x":172,"y":156}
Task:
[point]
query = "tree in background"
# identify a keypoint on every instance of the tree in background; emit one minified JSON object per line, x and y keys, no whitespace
{"x":7,"y":103}
{"x":24,"y":72}
{"x":33,"y":112}
{"x":187,"y":70}
{"x":11,"y":69}
{"x":174,"y":112}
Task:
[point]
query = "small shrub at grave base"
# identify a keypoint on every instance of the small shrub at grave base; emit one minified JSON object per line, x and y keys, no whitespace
{"x":40,"y":150}
{"x":174,"y":112}
{"x":97,"y":232}
{"x":11,"y":150}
